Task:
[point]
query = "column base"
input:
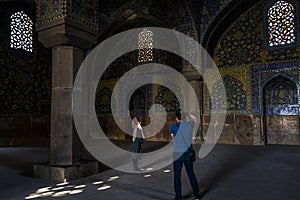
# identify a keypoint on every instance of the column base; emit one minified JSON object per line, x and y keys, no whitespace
{"x":62,"y":173}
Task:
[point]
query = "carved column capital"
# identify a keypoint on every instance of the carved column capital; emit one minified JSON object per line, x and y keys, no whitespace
{"x":67,"y":22}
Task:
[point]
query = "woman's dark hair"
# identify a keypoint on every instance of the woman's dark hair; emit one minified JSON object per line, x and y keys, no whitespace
{"x":138,"y":119}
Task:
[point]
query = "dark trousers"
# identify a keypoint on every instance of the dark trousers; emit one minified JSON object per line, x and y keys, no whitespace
{"x":188,"y":164}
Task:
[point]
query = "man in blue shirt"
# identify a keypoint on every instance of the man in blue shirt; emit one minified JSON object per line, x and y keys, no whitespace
{"x":182,"y":132}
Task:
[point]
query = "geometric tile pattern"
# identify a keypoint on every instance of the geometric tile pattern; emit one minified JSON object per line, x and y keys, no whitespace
{"x":261,"y":74}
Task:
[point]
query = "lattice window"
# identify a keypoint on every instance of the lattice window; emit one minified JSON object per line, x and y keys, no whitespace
{"x":145,"y":42}
{"x":21,"y":31}
{"x":281,"y":24}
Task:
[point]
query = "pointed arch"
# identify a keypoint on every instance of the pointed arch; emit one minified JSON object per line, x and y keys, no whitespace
{"x":281,"y":99}
{"x":129,"y":19}
{"x":280,"y":96}
{"x":224,"y":19}
{"x":138,"y":102}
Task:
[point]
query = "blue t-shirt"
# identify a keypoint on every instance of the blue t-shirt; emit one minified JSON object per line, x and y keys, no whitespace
{"x":183,"y":142}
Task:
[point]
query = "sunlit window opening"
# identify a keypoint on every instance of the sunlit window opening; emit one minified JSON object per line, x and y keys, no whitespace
{"x":281,"y":24}
{"x":145,"y":44}
{"x":21,"y":36}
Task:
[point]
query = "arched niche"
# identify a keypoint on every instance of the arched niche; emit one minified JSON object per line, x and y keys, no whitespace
{"x":281,"y":110}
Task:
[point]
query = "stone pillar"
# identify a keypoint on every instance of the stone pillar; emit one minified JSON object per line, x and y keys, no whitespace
{"x":196,"y":86}
{"x":64,"y":60}
{"x":68,"y":30}
{"x":196,"y":83}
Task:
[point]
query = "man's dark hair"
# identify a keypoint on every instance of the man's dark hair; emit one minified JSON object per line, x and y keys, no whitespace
{"x":179,"y":114}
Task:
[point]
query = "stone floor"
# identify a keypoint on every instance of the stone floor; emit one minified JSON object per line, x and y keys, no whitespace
{"x":228,"y":172}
